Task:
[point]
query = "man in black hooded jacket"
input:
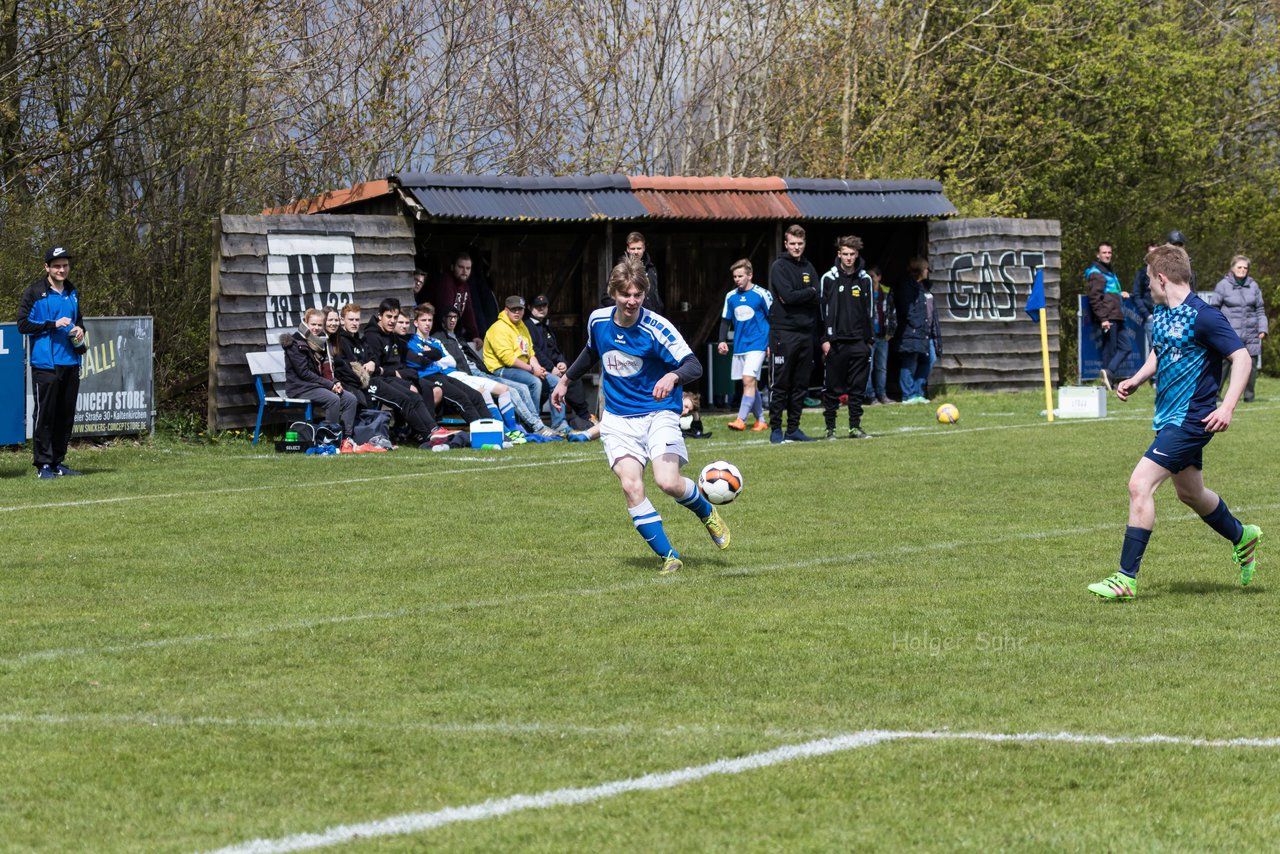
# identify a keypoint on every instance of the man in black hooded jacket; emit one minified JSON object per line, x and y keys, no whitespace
{"x":846,"y":292}
{"x":389,"y":378}
{"x":793,"y":319}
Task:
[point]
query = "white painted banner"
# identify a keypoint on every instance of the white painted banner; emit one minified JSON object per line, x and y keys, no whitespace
{"x":306,"y":271}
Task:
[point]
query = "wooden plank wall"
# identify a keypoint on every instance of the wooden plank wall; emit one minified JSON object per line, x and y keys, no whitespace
{"x":982,"y":270}
{"x":243,"y":313}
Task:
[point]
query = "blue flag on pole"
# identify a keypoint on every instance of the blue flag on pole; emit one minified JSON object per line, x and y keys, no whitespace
{"x":1035,"y":302}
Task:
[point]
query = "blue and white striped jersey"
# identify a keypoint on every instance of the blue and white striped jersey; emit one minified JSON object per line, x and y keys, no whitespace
{"x":748,"y":311}
{"x":634,"y":358}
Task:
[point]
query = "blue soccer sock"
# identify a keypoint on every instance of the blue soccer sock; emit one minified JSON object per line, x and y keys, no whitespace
{"x":493,"y":411}
{"x":1224,"y":523}
{"x":748,"y":404}
{"x":507,"y":411}
{"x":695,"y":500}
{"x":757,"y":408}
{"x":649,"y":524}
{"x":1135,"y":544}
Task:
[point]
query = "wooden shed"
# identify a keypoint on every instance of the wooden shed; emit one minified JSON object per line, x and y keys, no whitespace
{"x":560,"y":236}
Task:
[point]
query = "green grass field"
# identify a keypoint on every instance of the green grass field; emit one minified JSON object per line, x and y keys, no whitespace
{"x":202,"y":646}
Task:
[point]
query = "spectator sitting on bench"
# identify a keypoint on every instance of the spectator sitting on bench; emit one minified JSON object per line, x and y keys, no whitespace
{"x":470,"y":368}
{"x":389,"y":379}
{"x":352,"y":364}
{"x":549,"y":354}
{"x":495,"y":395}
{"x":309,"y":375}
{"x":425,"y":354}
{"x":509,"y":356}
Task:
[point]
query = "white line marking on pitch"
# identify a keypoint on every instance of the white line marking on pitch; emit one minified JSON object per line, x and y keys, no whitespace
{"x":26,"y":658}
{"x":504,"y":729}
{"x":894,"y":433}
{"x":502,"y":602}
{"x":408,"y":823}
{"x":270,"y":487}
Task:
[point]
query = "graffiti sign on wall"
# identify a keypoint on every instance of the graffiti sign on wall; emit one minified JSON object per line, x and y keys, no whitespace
{"x":306,"y":271}
{"x":991,"y":285}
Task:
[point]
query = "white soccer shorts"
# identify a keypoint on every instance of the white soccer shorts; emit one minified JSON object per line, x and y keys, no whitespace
{"x":642,"y":436}
{"x":747,"y":364}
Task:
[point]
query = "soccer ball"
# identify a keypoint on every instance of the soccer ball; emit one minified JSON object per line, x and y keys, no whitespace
{"x":720,"y":482}
{"x":948,"y":414}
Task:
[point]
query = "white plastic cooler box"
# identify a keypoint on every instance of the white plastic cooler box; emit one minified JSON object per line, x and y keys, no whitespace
{"x":486,"y":431}
{"x":1082,"y":402}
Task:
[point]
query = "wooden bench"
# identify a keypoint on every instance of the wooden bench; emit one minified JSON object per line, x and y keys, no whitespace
{"x":269,"y":364}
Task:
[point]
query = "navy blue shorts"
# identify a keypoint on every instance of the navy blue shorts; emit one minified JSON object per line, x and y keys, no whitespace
{"x":1176,"y":448}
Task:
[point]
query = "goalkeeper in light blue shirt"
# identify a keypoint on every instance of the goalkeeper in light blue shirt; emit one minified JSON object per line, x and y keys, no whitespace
{"x":644,"y":362}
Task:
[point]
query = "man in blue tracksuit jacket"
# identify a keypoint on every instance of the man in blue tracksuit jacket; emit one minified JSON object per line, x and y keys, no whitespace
{"x":49,"y":312}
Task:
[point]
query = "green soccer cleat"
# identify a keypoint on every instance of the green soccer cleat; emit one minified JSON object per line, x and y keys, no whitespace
{"x":670,"y":564}
{"x":1245,"y":552}
{"x":717,"y":528}
{"x":1115,"y":586}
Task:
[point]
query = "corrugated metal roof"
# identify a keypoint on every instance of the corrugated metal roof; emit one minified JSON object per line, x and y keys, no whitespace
{"x":717,"y":205}
{"x":579,"y":198}
{"x":828,"y":198}
{"x":501,"y":198}
{"x":713,"y":198}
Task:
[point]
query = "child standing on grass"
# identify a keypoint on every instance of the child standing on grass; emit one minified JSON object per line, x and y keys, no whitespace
{"x":1189,"y":341}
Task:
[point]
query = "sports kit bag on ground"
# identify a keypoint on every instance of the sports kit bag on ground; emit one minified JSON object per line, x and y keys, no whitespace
{"x":324,"y":433}
{"x":371,"y":423}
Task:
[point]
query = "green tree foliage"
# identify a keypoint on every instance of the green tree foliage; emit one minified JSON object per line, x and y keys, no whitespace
{"x":1122,"y":120}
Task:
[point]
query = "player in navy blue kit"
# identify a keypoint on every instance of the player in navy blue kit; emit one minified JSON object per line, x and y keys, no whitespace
{"x":1189,"y":341}
{"x":645,"y":361}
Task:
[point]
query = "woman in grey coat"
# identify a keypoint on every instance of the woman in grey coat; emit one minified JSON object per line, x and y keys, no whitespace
{"x":1240,"y":299}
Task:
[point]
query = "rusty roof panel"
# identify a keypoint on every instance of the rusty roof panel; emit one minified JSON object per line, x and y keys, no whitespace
{"x":334,"y":199}
{"x":717,"y":205}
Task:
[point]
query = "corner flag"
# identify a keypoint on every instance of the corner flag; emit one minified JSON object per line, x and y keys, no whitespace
{"x":1035,"y":301}
{"x":1036,"y":311}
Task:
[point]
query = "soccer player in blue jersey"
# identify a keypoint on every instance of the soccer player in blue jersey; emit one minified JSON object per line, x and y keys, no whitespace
{"x":746,"y":307}
{"x":1189,"y":341}
{"x":645,"y":362}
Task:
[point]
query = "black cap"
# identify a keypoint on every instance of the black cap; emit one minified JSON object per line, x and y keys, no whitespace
{"x":540,"y":299}
{"x":1176,"y":238}
{"x":57,"y":253}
